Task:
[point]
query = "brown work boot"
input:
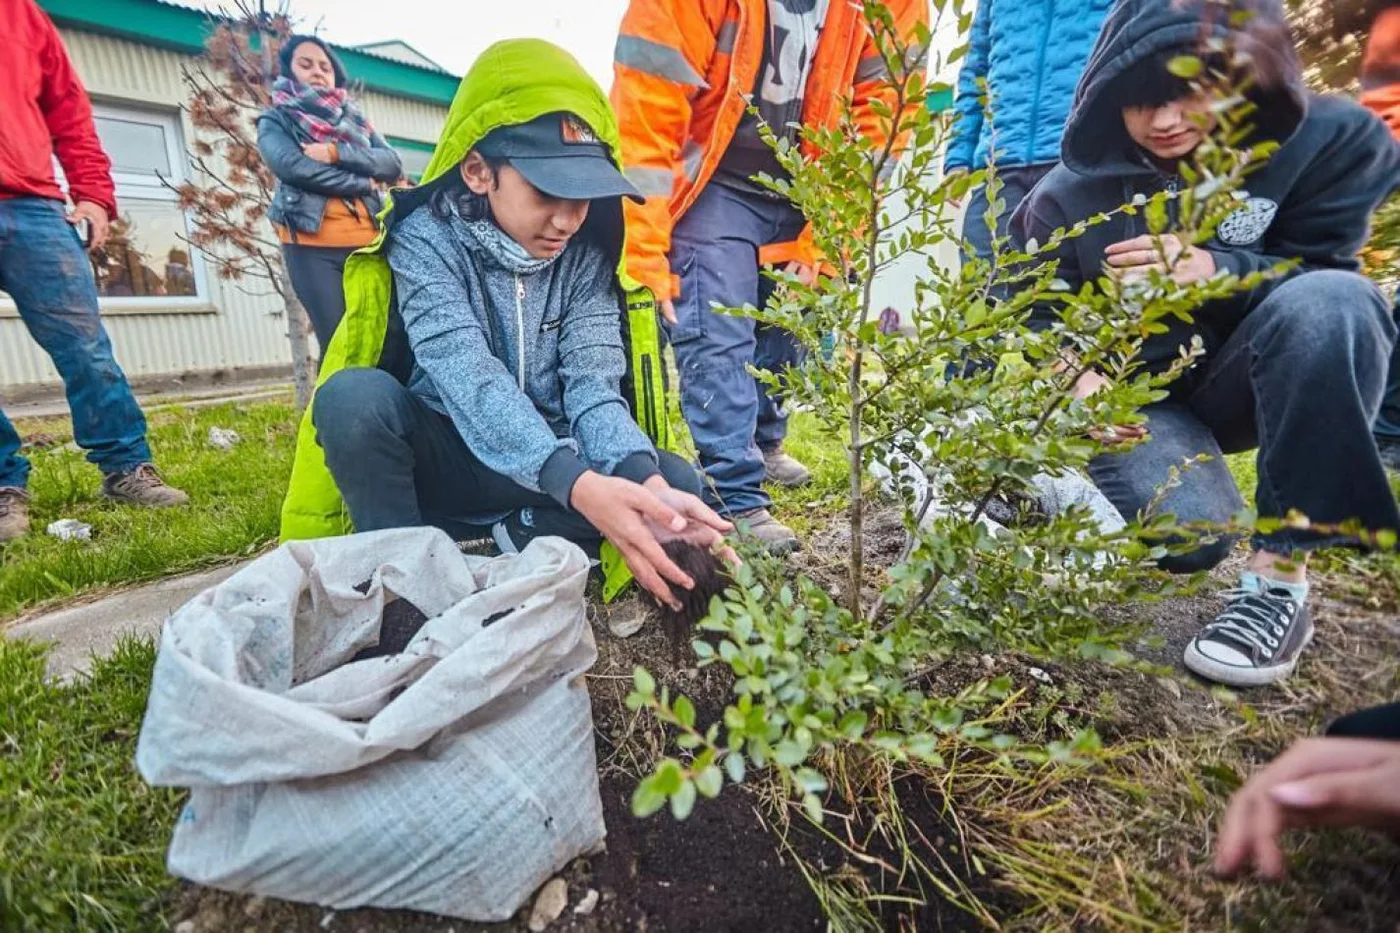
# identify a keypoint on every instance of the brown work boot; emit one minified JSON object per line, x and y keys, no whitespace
{"x":781,"y":468}
{"x":14,"y":513}
{"x":142,"y":486}
{"x":762,"y":527}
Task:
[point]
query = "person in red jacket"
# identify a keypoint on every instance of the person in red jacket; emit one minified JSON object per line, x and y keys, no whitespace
{"x":45,"y":271}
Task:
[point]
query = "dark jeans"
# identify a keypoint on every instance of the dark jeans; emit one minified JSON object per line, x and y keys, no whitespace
{"x":45,"y":270}
{"x":1387,"y":426}
{"x":1300,"y":379}
{"x":400,"y":464}
{"x":1017,"y":182}
{"x":317,"y":274}
{"x":732,"y":417}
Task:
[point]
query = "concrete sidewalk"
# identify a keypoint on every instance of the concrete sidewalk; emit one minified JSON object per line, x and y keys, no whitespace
{"x":153,"y":402}
{"x":94,"y":628}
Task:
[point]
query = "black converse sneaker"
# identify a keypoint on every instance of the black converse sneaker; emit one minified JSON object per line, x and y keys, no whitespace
{"x":1255,"y":641}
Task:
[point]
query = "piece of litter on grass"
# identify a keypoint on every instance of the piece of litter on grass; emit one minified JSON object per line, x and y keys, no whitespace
{"x":327,"y":920}
{"x":588,"y":904}
{"x":1040,"y":675}
{"x":549,"y":904}
{"x":223,"y":439}
{"x":70,"y":529}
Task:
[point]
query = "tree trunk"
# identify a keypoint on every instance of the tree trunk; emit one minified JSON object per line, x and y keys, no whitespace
{"x":303,"y":366}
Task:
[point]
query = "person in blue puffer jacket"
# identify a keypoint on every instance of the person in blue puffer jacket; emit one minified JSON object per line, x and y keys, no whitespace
{"x":1030,"y":53}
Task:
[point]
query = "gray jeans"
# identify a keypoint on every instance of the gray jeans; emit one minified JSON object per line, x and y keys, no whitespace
{"x":1301,"y":380}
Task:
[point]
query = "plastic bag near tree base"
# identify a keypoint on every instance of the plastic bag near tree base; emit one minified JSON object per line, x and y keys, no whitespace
{"x":453,"y":778}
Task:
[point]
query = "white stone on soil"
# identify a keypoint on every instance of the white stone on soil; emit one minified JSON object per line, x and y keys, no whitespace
{"x":549,"y":904}
{"x":588,"y":904}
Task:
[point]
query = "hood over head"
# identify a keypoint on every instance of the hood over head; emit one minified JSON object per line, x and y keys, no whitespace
{"x":514,"y":82}
{"x":1095,"y":140}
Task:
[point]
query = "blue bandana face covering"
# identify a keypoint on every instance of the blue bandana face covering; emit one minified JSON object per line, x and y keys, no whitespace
{"x":505,"y":250}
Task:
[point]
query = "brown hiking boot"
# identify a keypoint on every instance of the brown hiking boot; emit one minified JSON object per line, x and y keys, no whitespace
{"x":14,"y":513}
{"x":781,"y":468}
{"x":761,"y":526}
{"x":142,"y":486}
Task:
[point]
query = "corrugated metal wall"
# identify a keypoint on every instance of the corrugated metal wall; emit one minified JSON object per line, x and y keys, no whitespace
{"x":239,"y":330}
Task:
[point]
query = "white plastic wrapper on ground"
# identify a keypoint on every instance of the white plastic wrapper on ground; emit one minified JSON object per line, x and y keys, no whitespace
{"x":454,"y":778}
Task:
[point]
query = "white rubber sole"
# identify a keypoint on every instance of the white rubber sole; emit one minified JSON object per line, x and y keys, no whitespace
{"x":1232,"y":676}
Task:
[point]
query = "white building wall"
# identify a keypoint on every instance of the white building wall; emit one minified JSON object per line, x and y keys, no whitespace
{"x":234,"y":330}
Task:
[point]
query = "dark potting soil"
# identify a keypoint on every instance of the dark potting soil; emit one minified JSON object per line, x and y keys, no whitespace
{"x":720,"y":870}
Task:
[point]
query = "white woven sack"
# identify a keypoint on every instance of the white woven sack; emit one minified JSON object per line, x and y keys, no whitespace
{"x":454,"y":778}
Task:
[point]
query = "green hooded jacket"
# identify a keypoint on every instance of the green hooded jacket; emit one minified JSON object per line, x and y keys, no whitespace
{"x":512,"y":82}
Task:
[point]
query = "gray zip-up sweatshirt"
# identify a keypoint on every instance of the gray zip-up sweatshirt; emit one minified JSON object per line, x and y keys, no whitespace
{"x":525,"y":358}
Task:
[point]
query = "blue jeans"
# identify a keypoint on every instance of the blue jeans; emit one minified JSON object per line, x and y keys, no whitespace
{"x":1387,"y":426}
{"x":45,"y":270}
{"x":399,"y":464}
{"x":732,"y":417}
{"x":1017,"y":182}
{"x":1301,"y":379}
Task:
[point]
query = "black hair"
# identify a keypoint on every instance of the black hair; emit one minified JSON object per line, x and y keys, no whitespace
{"x":1149,"y":82}
{"x":451,"y":191}
{"x":289,"y":49}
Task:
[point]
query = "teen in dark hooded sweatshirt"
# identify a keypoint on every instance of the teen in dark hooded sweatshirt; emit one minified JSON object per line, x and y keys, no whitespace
{"x":1294,"y":367}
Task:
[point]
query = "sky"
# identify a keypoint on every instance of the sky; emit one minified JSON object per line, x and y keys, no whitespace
{"x":454,"y":32}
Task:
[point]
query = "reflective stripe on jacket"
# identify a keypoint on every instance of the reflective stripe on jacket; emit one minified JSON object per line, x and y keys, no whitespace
{"x":682,"y":69}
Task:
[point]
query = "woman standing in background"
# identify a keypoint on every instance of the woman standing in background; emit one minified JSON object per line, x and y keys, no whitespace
{"x":330,"y":166}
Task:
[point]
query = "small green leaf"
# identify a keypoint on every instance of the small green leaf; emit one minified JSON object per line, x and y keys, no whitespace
{"x":683,"y":801}
{"x":644,"y":682}
{"x":789,"y":754}
{"x":734,"y":766}
{"x":684,"y":711}
{"x":813,"y":805}
{"x":852,"y":725}
{"x":810,"y":780}
{"x":646,"y":799}
{"x":709,"y":782}
{"x":669,"y":777}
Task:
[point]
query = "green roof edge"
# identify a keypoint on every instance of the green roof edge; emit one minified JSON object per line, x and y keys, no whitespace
{"x":182,"y":29}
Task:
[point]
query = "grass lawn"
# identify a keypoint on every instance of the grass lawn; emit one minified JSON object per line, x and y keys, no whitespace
{"x":82,"y":839}
{"x":236,"y":497}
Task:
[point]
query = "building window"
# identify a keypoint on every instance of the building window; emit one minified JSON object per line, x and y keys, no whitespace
{"x":146,"y":263}
{"x":146,"y":260}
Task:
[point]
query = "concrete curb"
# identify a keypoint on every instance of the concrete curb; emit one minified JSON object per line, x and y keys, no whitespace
{"x":94,"y":628}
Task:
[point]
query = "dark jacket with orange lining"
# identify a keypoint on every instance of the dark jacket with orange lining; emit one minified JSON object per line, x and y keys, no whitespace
{"x":681,"y":71}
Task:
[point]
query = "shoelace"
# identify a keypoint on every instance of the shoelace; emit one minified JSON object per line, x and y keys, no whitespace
{"x":143,"y":477}
{"x":8,"y":500}
{"x":1253,"y":620}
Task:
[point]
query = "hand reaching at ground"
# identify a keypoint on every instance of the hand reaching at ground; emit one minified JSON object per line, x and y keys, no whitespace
{"x":630,"y":516}
{"x":1167,"y":253}
{"x":703,"y":525}
{"x":1317,"y":782}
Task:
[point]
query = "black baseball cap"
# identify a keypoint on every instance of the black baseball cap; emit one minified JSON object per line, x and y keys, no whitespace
{"x":560,"y":155}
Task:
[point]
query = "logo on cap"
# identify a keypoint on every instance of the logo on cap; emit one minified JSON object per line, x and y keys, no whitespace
{"x":575,"y":131}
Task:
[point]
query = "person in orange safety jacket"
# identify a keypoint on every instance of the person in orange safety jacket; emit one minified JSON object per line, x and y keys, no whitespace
{"x":1380,"y":93}
{"x":682,"y":72}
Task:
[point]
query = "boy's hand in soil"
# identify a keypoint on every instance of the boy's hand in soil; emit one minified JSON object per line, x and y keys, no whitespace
{"x":1167,"y":254}
{"x":1317,"y":782}
{"x":630,"y":515}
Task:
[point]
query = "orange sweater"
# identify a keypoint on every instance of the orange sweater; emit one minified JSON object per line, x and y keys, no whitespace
{"x":1380,"y":69}
{"x":344,"y":224}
